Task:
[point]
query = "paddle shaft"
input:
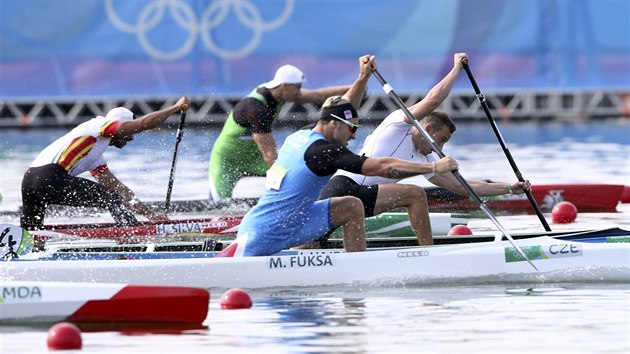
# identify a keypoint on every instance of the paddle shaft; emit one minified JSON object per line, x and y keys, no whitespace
{"x":471,"y":192}
{"x":171,"y":178}
{"x":506,"y":151}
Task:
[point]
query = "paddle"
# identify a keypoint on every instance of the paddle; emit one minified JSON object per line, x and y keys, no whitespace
{"x":180,"y":132}
{"x":390,"y":91}
{"x":494,"y":126}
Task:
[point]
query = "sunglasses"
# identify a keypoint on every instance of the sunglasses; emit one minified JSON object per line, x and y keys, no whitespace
{"x":353,"y":127}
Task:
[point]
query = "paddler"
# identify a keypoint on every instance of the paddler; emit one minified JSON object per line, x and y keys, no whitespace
{"x":52,"y":176}
{"x":246,"y":146}
{"x":396,"y":136}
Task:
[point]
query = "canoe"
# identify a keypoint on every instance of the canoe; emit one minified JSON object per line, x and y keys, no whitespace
{"x":390,"y":224}
{"x":478,"y":263}
{"x":586,"y":197}
{"x":195,"y":226}
{"x":176,"y":206}
{"x":108,"y":251}
{"x":209,"y":247}
{"x":79,"y":302}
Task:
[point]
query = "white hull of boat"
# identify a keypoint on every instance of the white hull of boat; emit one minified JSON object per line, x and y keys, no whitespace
{"x":492,"y":262}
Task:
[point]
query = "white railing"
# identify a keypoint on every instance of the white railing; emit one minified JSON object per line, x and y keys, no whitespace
{"x":209,"y":110}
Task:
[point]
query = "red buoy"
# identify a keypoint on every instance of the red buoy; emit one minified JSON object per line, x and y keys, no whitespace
{"x":460,"y":230}
{"x":236,"y":298}
{"x":563,"y":213}
{"x":64,"y":336}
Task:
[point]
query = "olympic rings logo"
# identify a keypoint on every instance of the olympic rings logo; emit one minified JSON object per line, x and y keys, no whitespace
{"x":212,"y":18}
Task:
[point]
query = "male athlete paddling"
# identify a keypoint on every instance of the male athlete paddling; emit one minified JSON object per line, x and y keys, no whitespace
{"x":52,"y":176}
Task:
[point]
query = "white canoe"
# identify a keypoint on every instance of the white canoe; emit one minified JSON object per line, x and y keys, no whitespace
{"x":43,"y":301}
{"x":487,"y":262}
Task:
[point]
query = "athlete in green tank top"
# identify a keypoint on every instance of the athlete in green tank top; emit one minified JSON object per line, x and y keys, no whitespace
{"x":246,"y":145}
{"x":235,"y":154}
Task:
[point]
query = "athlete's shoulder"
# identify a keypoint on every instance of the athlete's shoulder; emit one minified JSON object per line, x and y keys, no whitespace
{"x":91,"y":127}
{"x":391,"y":127}
{"x":299,"y":138}
{"x":396,"y":117}
{"x":251,"y":104}
{"x":326,"y":146}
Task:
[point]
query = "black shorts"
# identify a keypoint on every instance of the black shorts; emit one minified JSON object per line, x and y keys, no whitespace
{"x":340,"y":186}
{"x":51,"y":184}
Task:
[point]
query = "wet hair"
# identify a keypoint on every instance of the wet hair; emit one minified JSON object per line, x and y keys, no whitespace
{"x":438,"y":120}
{"x":339,"y":106}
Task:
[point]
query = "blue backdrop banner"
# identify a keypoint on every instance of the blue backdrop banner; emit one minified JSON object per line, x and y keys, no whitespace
{"x":145,"y":48}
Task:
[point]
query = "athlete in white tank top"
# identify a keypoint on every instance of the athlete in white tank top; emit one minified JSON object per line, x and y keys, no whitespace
{"x":392,"y":138}
{"x":398,"y":137}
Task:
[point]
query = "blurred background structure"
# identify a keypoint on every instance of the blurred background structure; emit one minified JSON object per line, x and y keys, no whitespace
{"x":62,"y":62}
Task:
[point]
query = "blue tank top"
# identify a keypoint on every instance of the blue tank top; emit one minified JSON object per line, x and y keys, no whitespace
{"x":291,"y":191}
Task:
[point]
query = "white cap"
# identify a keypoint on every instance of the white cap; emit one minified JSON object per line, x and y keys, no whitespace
{"x":120,"y":114}
{"x":287,"y":74}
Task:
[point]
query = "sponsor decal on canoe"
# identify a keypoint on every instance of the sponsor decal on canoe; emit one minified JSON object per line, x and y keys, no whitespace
{"x":414,"y":253}
{"x":618,"y":239}
{"x":199,"y":227}
{"x":14,"y":241}
{"x":302,"y":261}
{"x":538,"y":252}
{"x":13,"y":294}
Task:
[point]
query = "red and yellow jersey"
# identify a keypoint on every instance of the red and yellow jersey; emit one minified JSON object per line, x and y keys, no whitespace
{"x":82,"y":148}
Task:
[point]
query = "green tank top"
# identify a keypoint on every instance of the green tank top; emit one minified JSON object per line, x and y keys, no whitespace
{"x":235,"y":154}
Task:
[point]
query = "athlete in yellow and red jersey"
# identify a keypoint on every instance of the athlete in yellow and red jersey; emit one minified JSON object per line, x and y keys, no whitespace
{"x":52,"y":176}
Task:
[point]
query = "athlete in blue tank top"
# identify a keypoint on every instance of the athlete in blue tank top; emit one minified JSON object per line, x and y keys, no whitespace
{"x":289,"y":214}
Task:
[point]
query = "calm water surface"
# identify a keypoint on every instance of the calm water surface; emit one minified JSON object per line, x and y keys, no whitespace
{"x":574,"y":318}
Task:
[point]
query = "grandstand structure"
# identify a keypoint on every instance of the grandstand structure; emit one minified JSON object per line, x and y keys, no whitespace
{"x":212,"y":110}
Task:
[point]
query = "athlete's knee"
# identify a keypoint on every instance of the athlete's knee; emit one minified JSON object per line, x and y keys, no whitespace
{"x":414,"y":194}
{"x":348,"y":208}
